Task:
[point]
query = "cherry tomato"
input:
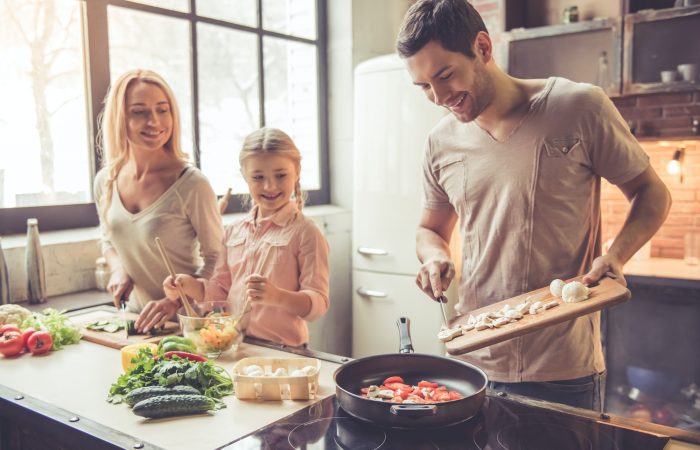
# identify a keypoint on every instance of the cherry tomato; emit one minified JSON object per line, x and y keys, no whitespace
{"x":427,"y":384}
{"x":25,"y":336}
{"x":9,"y":327}
{"x":393,"y":379}
{"x":455,"y":395}
{"x":39,"y":343}
{"x":10,"y":343}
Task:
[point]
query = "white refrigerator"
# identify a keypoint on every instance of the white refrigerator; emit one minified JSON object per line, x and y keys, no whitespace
{"x":392,"y":119}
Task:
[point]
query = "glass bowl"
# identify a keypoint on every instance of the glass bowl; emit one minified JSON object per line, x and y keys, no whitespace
{"x":215,"y":331}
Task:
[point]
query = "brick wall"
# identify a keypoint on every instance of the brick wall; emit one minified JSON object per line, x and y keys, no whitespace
{"x":685,"y":211}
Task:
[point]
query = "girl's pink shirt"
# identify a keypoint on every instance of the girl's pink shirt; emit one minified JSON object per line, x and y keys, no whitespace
{"x":298,"y":262}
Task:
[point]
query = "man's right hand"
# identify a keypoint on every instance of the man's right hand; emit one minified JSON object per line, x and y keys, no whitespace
{"x":435,"y":276}
{"x":120,"y":286}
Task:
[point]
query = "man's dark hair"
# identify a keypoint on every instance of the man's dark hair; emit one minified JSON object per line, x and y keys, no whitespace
{"x":453,"y":23}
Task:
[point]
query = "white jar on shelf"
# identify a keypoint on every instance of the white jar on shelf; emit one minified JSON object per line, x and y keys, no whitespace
{"x":102,"y":273}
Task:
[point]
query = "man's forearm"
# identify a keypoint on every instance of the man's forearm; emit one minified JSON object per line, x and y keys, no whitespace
{"x":430,"y":245}
{"x":648,"y":212}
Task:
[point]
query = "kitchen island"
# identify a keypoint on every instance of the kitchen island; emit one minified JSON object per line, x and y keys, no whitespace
{"x":58,"y":401}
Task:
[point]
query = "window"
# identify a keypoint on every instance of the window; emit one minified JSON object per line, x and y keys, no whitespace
{"x":233,"y":69}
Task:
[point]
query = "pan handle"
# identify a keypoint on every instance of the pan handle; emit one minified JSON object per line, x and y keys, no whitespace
{"x":405,"y":344}
{"x":413,"y":410}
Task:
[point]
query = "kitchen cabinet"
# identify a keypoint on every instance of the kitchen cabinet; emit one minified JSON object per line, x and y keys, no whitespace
{"x":651,"y":352}
{"x":622,"y":54}
{"x":660,"y":40}
{"x":588,"y":52}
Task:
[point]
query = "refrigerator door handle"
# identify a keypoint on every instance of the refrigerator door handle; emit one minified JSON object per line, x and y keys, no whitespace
{"x":368,"y":251}
{"x":364,"y":292}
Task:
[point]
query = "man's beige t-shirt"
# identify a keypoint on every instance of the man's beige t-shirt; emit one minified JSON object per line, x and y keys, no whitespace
{"x":187,"y":220}
{"x":529,"y":212}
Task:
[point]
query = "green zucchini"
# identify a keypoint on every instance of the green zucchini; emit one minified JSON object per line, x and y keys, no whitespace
{"x":173,"y":405}
{"x":143,"y":393}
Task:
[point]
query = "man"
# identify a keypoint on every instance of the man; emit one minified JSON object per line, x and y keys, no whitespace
{"x":519,"y":163}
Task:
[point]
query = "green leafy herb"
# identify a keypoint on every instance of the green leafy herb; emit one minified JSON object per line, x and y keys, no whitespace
{"x":208,"y":378}
{"x":59,"y":326}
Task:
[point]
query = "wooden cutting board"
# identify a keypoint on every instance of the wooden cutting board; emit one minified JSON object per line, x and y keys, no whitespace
{"x":605,"y":294}
{"x":119,"y":338}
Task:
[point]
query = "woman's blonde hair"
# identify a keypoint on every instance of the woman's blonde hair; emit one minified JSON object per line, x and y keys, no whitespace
{"x":272,"y":141}
{"x":113,"y":143}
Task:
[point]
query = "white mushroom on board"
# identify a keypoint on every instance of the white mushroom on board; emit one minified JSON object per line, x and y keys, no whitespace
{"x":447,"y":334}
{"x":574,"y":292}
{"x":556,"y":286}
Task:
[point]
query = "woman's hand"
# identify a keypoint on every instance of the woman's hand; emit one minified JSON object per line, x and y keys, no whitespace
{"x":120,"y":286}
{"x":260,"y":289}
{"x":155,"y":314}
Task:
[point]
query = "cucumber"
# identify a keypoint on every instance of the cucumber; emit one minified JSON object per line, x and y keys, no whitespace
{"x":143,"y":393}
{"x":173,"y":405}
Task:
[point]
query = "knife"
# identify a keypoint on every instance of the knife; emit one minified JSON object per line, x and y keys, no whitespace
{"x":442,"y":300}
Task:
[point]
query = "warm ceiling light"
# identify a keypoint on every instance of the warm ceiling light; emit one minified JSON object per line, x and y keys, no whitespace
{"x":675,"y":165}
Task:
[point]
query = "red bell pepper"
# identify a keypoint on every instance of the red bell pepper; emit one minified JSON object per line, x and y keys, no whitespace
{"x":185,"y":355}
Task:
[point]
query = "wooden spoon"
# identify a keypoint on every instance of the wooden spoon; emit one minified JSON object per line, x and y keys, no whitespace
{"x":185,"y":302}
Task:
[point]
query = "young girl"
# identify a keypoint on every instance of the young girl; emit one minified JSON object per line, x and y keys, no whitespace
{"x":274,"y":260}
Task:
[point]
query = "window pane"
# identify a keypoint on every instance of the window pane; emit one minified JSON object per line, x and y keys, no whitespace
{"x":162,"y":44}
{"x":229,"y":104}
{"x":176,"y":5}
{"x":45,"y":156}
{"x":295,"y":17}
{"x":291,"y":100}
{"x":244,"y":12}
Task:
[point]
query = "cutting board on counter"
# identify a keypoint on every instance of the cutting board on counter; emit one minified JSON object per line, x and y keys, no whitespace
{"x":605,"y":294}
{"x":119,"y":338}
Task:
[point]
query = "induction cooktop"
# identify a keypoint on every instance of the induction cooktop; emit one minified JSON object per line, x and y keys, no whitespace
{"x":502,"y":424}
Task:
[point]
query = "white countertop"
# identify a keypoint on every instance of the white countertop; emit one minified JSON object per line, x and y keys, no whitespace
{"x":78,"y":379}
{"x":663,"y":268}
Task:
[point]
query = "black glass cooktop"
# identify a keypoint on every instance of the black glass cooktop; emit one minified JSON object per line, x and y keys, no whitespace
{"x":502,"y":424}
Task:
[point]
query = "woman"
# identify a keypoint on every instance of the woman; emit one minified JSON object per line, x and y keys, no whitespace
{"x":147,"y":189}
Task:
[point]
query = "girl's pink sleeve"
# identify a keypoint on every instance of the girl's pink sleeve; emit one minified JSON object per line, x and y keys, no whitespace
{"x":218,"y":286}
{"x":313,"y":270}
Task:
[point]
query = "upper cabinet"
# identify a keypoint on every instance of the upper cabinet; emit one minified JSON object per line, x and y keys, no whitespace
{"x":621,"y":46}
{"x":662,"y":50}
{"x":583,"y":51}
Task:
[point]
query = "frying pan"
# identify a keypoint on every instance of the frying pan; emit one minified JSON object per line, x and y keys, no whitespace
{"x":456,"y":375}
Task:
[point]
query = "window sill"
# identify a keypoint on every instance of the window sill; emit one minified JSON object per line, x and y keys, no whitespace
{"x":73,"y":301}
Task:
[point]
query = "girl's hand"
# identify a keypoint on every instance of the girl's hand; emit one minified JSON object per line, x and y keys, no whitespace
{"x":120,"y":286}
{"x":190,"y":286}
{"x":155,"y":314}
{"x":261,"y":289}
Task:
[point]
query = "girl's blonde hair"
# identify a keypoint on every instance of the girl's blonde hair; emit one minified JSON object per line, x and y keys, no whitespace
{"x":113,"y":143}
{"x":272,"y":141}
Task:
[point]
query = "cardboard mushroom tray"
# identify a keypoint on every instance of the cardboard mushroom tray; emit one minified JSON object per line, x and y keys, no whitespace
{"x":275,"y":387}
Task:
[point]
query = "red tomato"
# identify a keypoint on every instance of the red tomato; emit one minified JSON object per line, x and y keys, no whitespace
{"x":10,"y":343}
{"x":9,"y":327}
{"x":427,"y":384}
{"x":39,"y":343}
{"x":25,"y":336}
{"x":455,"y":395}
{"x":393,"y":380}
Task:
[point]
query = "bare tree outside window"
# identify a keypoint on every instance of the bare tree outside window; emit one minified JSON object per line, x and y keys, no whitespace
{"x":46,"y":159}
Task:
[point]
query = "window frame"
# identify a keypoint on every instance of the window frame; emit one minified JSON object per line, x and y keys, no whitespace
{"x":97,"y":79}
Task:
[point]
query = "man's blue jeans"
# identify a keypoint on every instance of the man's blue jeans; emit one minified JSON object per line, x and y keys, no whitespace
{"x":586,"y":392}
